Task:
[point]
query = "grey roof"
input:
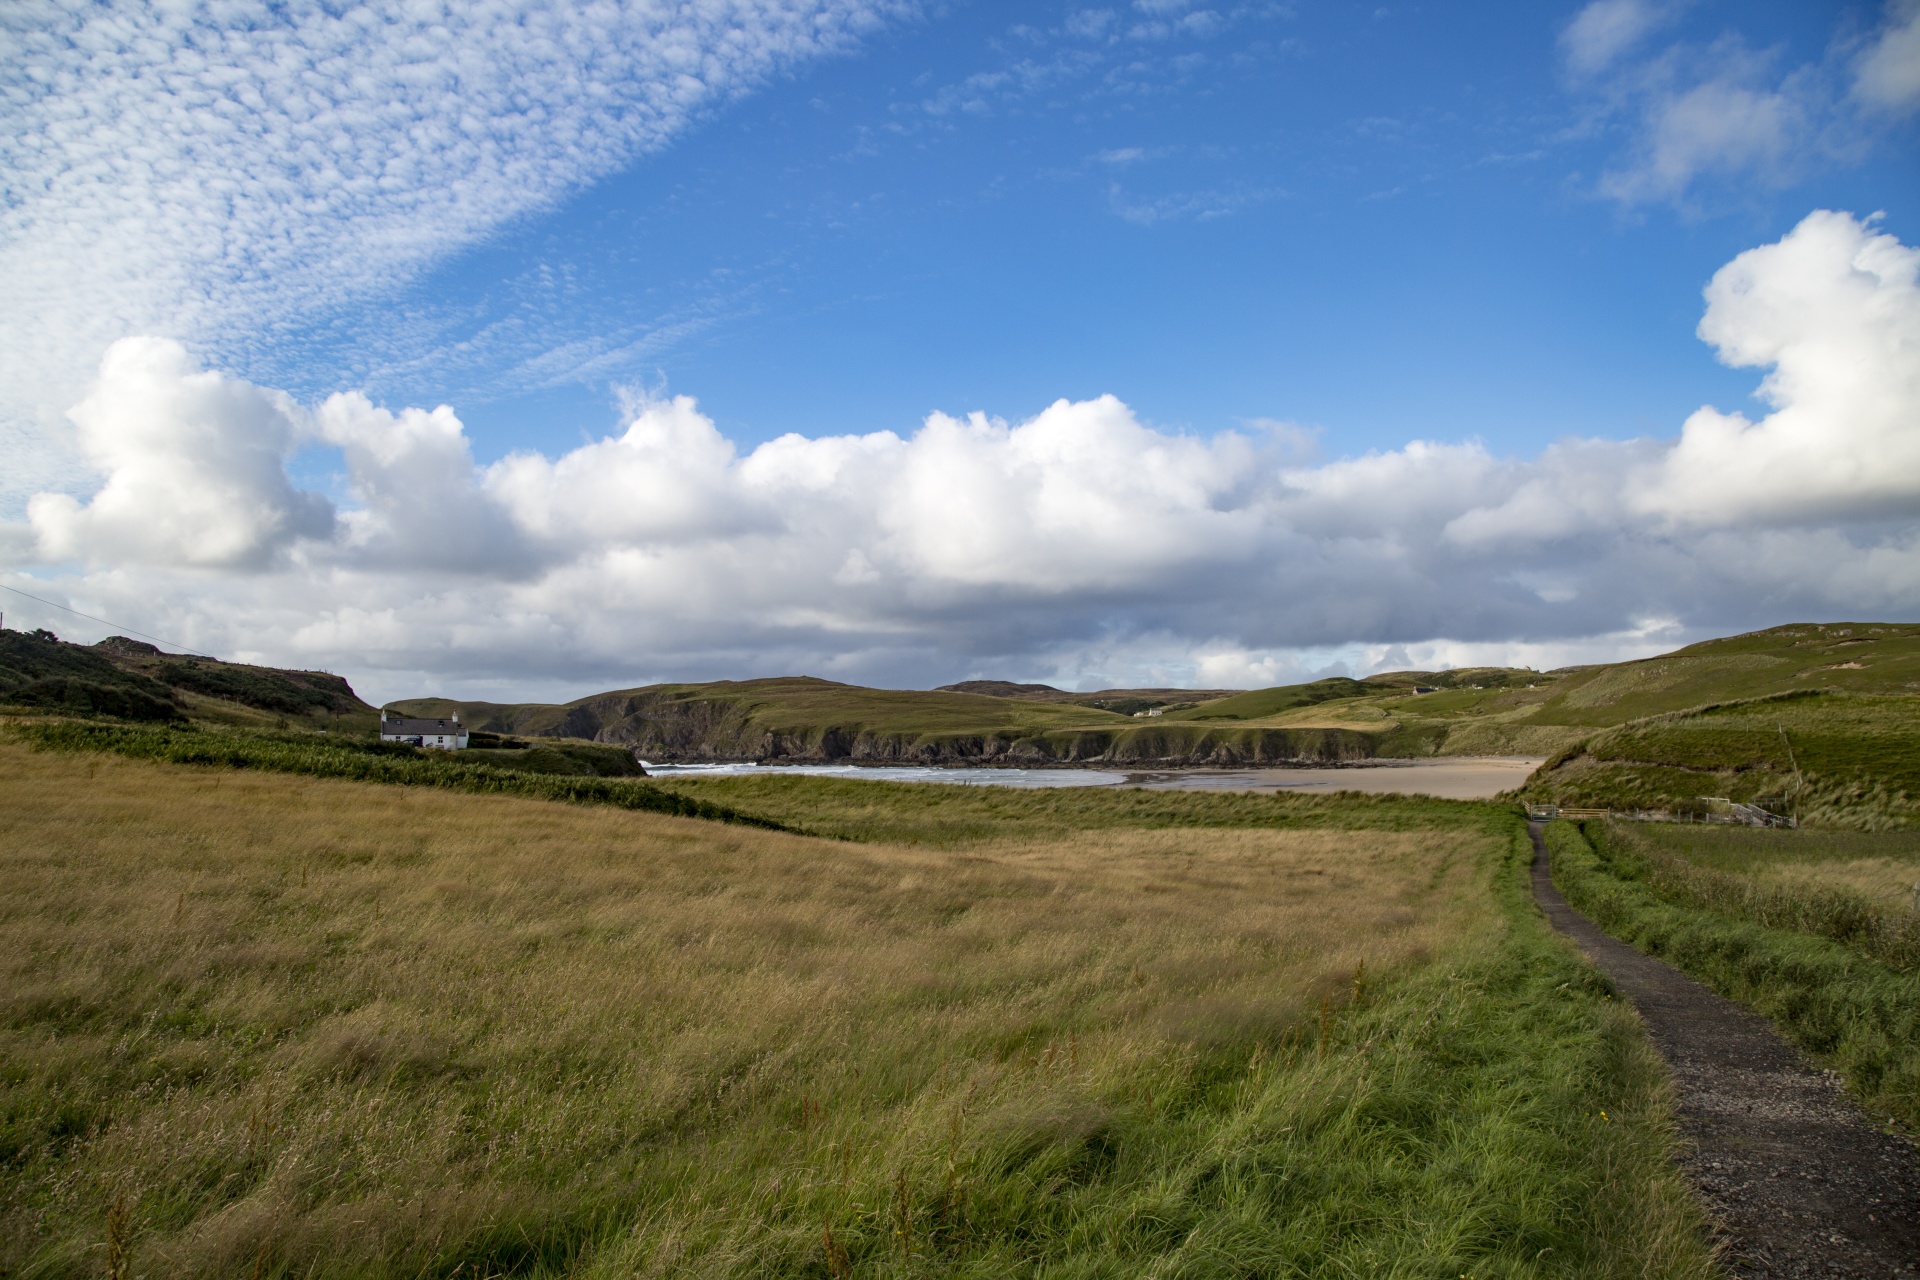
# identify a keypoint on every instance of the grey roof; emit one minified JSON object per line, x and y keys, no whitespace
{"x":396,"y":726}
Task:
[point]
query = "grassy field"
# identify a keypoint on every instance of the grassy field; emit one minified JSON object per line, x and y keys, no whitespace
{"x":953,"y":817}
{"x":328,"y":756}
{"x":1878,"y":867}
{"x":270,"y":1024}
{"x":1792,"y":922}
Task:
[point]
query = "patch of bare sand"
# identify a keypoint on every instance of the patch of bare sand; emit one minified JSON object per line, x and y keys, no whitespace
{"x":1447,"y":778}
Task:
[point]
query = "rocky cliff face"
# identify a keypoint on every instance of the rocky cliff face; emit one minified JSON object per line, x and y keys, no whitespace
{"x":674,"y":728}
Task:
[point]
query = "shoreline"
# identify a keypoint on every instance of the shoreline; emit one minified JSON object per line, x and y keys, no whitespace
{"x":1443,"y":777}
{"x":1035,"y":766}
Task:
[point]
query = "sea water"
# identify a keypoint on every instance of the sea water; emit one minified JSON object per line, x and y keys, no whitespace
{"x":897,"y":773}
{"x":1452,"y":778}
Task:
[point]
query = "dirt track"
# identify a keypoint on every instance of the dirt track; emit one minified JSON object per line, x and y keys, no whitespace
{"x":1801,"y":1183}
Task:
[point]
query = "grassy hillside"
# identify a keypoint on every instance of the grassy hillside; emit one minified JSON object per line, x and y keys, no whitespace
{"x":800,"y":718}
{"x":1125,"y":701}
{"x":1659,"y":733}
{"x":1259,"y":703}
{"x":130,"y":679}
{"x":1477,"y":711}
{"x":38,"y":670}
{"x":267,"y":1025}
{"x":1830,"y":758}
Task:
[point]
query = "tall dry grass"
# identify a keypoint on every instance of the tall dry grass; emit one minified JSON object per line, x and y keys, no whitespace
{"x":1801,"y":880}
{"x":277,"y":1025}
{"x":1835,"y":971}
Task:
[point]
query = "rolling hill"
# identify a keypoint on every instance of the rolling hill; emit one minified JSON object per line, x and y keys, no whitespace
{"x":1842,"y":699}
{"x":134,"y":680}
{"x":1821,"y":719}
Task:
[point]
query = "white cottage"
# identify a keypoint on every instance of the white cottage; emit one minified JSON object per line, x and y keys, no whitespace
{"x":448,"y":734}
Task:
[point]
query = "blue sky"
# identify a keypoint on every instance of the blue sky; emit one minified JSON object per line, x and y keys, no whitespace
{"x":1408,"y":296}
{"x":1380,"y":221}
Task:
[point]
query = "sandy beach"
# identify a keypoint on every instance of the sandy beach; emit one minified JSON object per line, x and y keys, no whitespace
{"x":1449,"y":778}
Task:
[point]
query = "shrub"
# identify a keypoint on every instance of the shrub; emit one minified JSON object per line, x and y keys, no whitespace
{"x":88,"y":697}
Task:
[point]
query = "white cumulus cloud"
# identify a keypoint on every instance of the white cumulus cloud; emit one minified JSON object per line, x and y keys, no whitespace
{"x":1079,"y":544}
{"x":1833,"y":311}
{"x":195,"y":466}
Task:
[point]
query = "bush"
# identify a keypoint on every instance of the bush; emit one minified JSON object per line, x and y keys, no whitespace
{"x":88,"y":697}
{"x":38,"y":669}
{"x":292,"y":693}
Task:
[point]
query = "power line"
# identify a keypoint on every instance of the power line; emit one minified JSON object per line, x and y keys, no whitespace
{"x":102,"y":621}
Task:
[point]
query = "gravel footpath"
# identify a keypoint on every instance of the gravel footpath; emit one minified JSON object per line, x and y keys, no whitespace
{"x":1799,"y":1180}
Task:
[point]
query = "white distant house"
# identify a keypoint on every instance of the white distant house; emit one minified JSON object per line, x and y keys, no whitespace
{"x":448,"y":734}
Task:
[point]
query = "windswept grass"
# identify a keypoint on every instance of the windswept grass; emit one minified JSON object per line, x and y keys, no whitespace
{"x":1836,"y":759}
{"x":1835,"y":974}
{"x":326,"y":756}
{"x":1853,"y":887}
{"x":258,"y":1023}
{"x":952,"y":816}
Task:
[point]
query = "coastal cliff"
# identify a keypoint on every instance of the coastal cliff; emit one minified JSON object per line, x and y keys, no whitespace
{"x":815,"y":721}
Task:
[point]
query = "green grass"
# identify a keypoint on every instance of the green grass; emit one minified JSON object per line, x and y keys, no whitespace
{"x":293,"y":693}
{"x":1763,"y":663}
{"x":1837,"y":977}
{"x":67,"y":695}
{"x":37,"y":669}
{"x":579,"y":759}
{"x":1736,"y":872}
{"x":1834,"y":759}
{"x":1481,"y":711}
{"x":793,"y":705}
{"x":264,"y":1024}
{"x":1267,"y":702}
{"x":367,"y":761}
{"x":949,"y":816}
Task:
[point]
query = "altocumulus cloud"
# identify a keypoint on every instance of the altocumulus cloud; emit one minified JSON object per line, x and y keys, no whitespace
{"x":1080,"y":543}
{"x":218,"y":172}
{"x":1694,"y":112}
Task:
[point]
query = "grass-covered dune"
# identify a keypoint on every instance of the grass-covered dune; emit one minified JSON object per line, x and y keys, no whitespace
{"x":272,"y":1024}
{"x":1829,"y":758}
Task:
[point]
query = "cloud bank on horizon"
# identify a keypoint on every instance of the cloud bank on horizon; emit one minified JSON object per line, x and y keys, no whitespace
{"x":1081,"y":543}
{"x":184,"y":179}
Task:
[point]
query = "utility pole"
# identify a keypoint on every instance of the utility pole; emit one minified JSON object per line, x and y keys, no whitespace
{"x":1798,"y":783}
